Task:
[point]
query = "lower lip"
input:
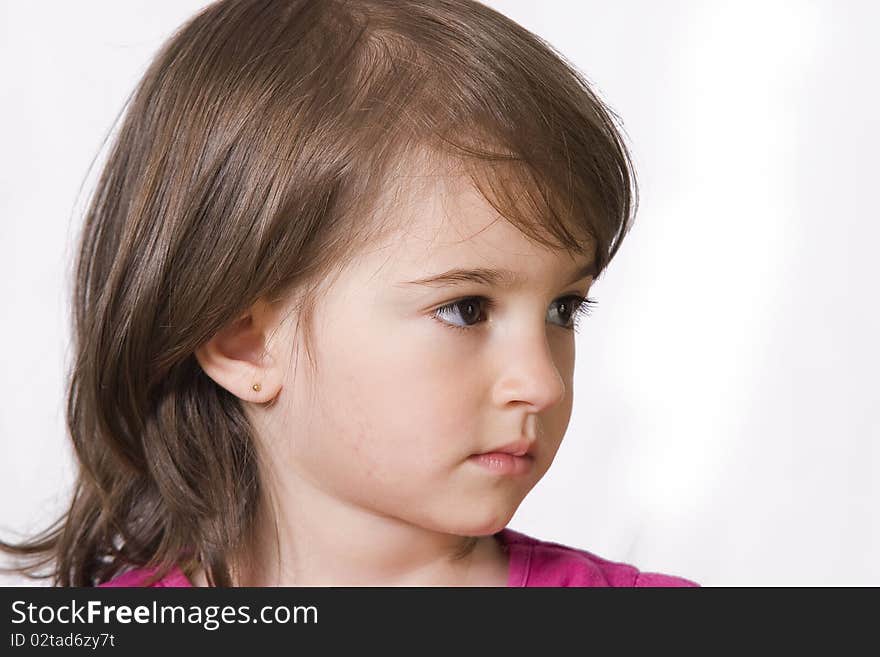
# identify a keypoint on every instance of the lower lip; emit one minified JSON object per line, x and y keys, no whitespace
{"x":503,"y":464}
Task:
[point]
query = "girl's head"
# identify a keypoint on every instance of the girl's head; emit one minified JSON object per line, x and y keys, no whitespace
{"x":247,"y":324}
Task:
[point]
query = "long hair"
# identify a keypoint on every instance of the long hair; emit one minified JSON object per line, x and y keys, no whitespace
{"x":255,"y":156}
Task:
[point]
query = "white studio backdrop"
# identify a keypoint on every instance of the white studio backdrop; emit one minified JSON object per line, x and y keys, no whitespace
{"x":725,"y":421}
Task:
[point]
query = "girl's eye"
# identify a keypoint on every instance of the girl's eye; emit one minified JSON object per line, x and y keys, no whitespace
{"x":471,"y":310}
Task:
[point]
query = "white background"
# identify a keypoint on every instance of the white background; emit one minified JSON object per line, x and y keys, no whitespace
{"x":726,"y":396}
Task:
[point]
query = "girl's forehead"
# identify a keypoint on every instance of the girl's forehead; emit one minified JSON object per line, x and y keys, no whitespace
{"x":449,"y":223}
{"x":479,"y":249}
{"x":432,"y":218}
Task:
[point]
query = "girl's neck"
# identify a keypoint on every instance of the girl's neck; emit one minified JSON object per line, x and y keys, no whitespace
{"x":324,"y":540}
{"x":487,"y":565}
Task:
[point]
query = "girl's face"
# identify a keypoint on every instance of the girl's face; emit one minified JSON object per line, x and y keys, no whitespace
{"x":408,"y":385}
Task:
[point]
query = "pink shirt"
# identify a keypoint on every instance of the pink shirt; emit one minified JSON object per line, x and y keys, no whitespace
{"x":532,"y":563}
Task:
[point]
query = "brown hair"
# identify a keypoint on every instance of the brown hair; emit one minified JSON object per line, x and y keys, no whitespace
{"x":252,"y":153}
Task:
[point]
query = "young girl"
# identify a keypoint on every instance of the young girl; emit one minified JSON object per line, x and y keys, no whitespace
{"x":325,"y":300}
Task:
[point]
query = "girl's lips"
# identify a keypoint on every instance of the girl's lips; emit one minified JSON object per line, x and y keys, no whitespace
{"x":504,"y":464}
{"x":517,"y":447}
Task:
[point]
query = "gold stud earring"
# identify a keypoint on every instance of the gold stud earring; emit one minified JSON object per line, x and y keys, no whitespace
{"x":256,"y":387}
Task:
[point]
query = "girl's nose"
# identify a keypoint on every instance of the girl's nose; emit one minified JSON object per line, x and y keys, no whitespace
{"x":528,"y":373}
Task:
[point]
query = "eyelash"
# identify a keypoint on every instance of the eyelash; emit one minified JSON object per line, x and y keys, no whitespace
{"x":582,"y":309}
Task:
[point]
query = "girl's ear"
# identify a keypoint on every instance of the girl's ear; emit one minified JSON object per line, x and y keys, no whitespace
{"x":242,"y":358}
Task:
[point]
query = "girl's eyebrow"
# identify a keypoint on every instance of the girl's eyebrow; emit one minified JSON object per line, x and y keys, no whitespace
{"x":490,"y":276}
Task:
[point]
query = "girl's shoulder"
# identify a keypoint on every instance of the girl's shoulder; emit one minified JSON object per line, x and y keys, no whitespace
{"x":138,"y":577}
{"x":534,"y":562}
